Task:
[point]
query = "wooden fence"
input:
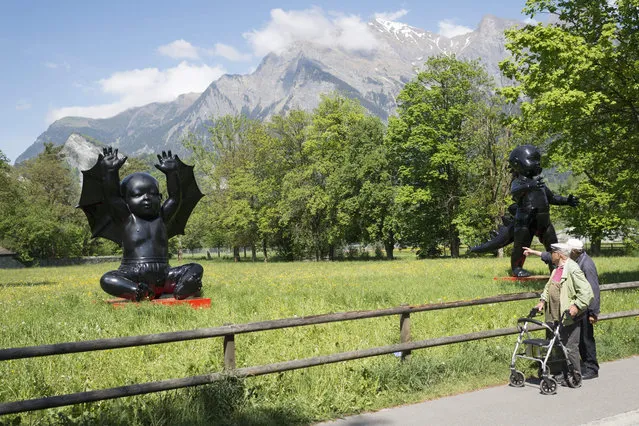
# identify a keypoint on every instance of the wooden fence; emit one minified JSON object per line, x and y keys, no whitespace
{"x":228,"y":333}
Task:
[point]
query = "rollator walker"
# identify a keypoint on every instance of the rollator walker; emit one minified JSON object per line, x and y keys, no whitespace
{"x":550,"y":354}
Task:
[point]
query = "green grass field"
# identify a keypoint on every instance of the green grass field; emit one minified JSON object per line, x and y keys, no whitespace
{"x":65,"y":304}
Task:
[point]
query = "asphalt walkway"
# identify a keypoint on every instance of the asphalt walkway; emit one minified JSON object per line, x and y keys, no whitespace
{"x":611,"y":399}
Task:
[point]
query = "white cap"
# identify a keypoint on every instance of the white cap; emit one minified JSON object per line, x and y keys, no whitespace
{"x":575,"y":244}
{"x":562,"y":248}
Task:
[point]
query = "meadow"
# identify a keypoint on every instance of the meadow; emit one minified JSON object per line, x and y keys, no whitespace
{"x":65,"y":304}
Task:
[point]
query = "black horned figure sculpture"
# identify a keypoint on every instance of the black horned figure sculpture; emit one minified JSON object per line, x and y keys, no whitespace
{"x":531,"y":210}
{"x":131,"y":214}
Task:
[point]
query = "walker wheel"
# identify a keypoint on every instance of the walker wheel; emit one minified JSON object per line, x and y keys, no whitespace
{"x":548,"y":386}
{"x":517,"y":379}
{"x":573,"y":379}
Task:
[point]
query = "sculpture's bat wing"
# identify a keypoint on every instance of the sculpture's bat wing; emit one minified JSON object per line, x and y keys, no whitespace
{"x":95,"y":207}
{"x":190,"y":196}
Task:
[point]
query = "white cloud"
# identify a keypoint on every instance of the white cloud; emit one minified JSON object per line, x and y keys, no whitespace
{"x":23,"y":104}
{"x":449,"y":29}
{"x":229,"y":53}
{"x":143,"y":86}
{"x":391,"y":16}
{"x":287,"y":27}
{"x":353,"y":34}
{"x":531,"y":21}
{"x":179,"y":49}
{"x":182,"y":49}
{"x":54,"y":65}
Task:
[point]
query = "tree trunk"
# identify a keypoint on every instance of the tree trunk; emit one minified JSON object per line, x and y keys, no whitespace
{"x":331,"y":252}
{"x":264,"y":250}
{"x":595,"y":246}
{"x":389,"y":245}
{"x":454,"y":245}
{"x":253,"y":253}
{"x":236,"y":253}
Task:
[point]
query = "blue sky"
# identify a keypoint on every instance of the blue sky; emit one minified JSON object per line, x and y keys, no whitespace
{"x":97,"y":58}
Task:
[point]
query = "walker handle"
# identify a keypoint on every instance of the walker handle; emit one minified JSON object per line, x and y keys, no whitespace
{"x":534,"y":321}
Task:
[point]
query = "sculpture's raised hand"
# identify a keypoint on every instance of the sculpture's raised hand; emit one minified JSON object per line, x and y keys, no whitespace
{"x":109,"y":159}
{"x":572,"y":201}
{"x":168,"y":162}
{"x":540,"y":182}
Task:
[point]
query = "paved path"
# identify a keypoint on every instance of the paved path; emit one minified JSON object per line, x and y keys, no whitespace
{"x":610,"y":400}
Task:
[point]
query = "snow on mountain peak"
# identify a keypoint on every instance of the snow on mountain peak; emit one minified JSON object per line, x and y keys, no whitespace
{"x":398,"y":28}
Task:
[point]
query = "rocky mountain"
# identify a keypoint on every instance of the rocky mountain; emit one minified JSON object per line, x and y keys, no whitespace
{"x":292,"y":79}
{"x":79,"y":153}
{"x":135,"y":127}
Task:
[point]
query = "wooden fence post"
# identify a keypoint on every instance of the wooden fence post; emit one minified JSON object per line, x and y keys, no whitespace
{"x":404,"y":333}
{"x":229,"y":352}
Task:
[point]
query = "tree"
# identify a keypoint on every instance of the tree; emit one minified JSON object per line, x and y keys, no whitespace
{"x":10,"y":198}
{"x":289,"y":134}
{"x":377,"y":214}
{"x":429,"y":145}
{"x":227,"y":159}
{"x":579,"y":88}
{"x":487,"y":198}
{"x":328,"y":197}
{"x":44,"y":221}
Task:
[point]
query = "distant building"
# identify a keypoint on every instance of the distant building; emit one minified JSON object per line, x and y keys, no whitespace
{"x":8,"y":260}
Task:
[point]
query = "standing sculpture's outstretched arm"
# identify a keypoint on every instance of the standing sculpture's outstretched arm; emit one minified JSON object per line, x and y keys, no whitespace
{"x":559,"y":200}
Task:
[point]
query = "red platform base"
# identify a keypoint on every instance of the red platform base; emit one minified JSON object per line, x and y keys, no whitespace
{"x":530,"y":278}
{"x":196,"y":302}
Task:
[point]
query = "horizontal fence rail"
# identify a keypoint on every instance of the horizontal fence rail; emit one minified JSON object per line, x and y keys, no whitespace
{"x":228,"y":332}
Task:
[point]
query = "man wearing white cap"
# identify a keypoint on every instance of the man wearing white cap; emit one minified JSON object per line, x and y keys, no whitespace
{"x":567,"y":290}
{"x":587,"y":345}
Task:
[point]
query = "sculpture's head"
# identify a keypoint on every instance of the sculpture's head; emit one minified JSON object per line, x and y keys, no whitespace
{"x":526,"y":160}
{"x":141,"y":194}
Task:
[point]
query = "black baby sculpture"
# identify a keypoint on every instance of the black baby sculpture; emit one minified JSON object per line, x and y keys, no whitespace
{"x":531,"y":210}
{"x":131,"y":214}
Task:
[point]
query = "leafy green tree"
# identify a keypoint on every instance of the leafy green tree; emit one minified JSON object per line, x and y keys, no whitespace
{"x":289,"y":158}
{"x":10,"y":199}
{"x":44,"y":222}
{"x":429,"y":145}
{"x":578,"y":82}
{"x":338,"y":173}
{"x":375,"y":198}
{"x":8,"y":185}
{"x":487,"y":198}
{"x":229,"y":161}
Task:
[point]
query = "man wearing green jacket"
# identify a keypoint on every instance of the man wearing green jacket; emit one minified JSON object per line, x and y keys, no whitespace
{"x":566,"y":290}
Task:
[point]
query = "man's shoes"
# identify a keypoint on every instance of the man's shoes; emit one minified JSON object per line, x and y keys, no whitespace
{"x":589,"y":374}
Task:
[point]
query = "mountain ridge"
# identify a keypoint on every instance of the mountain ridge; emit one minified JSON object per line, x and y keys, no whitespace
{"x":294,"y":78}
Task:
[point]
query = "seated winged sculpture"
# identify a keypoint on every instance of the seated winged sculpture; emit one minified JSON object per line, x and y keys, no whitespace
{"x":531,"y":210}
{"x":131,"y":213}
